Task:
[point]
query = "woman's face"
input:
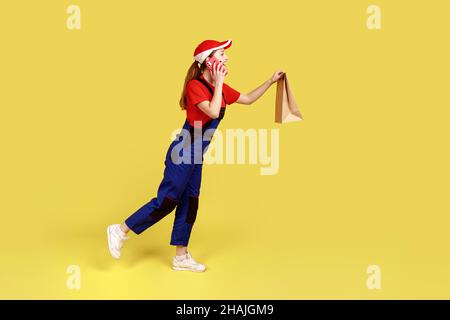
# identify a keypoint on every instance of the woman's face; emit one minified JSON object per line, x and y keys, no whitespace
{"x":221,"y":56}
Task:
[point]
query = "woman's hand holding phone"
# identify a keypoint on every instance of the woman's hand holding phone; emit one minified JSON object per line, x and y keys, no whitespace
{"x":218,"y":71}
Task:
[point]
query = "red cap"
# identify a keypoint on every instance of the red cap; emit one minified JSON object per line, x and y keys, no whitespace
{"x":205,"y":48}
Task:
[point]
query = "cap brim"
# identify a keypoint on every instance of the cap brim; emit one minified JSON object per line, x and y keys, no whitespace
{"x":225,"y":44}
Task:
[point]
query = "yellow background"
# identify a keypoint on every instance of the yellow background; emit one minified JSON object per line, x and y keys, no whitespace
{"x":86,"y":118}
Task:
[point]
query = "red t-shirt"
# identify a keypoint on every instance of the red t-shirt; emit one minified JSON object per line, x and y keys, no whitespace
{"x":196,"y":93}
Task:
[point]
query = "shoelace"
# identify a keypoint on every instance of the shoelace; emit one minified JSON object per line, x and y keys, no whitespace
{"x":187,"y":256}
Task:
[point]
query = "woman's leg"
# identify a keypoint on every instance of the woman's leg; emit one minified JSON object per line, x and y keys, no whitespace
{"x":180,"y":250}
{"x":186,"y":212}
{"x":124,"y":228}
{"x":176,"y":177}
{"x":185,"y":216}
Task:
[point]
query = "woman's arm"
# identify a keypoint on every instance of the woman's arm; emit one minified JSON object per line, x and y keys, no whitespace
{"x":212,"y":108}
{"x":259,"y":91}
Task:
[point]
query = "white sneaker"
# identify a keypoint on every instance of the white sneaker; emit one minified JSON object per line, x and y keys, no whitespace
{"x":186,"y":262}
{"x":116,"y":237}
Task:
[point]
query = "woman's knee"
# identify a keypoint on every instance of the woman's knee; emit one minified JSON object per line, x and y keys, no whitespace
{"x":192,"y":209}
{"x":167,"y":206}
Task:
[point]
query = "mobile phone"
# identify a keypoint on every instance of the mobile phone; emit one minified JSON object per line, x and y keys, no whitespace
{"x":211,"y":61}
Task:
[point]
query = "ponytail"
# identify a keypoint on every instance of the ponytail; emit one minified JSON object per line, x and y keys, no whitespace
{"x":194,"y":72}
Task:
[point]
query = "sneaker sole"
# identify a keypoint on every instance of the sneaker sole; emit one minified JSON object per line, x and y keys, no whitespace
{"x":108,"y":232}
{"x":186,"y":269}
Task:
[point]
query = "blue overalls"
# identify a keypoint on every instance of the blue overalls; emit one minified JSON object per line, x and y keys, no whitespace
{"x":180,"y":186}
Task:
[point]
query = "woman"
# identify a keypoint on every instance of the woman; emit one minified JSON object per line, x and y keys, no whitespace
{"x":204,"y":97}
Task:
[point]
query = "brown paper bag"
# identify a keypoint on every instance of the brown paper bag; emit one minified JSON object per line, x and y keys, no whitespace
{"x":286,"y":109}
